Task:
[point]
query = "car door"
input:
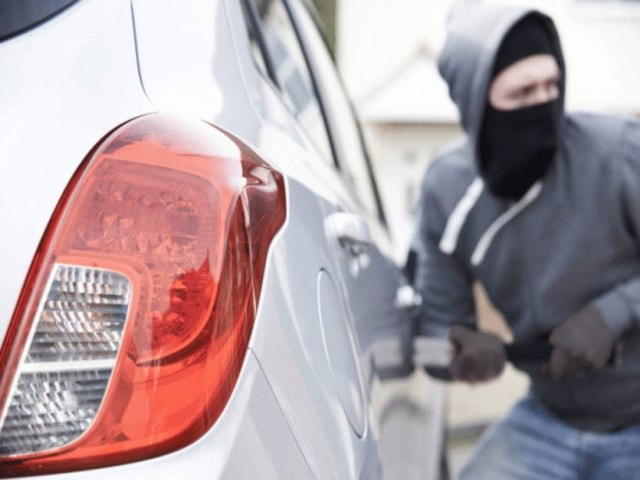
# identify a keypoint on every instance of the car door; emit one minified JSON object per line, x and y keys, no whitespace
{"x":381,"y":301}
{"x":369,"y":278}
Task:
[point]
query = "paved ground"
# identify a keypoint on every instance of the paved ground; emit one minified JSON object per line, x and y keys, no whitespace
{"x":412,"y":422}
{"x":416,"y":411}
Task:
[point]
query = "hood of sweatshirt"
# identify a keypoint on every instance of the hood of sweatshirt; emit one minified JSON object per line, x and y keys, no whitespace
{"x":474,"y":36}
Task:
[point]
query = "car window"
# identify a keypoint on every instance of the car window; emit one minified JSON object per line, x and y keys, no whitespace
{"x":18,"y":16}
{"x":286,"y":59}
{"x":342,"y":122}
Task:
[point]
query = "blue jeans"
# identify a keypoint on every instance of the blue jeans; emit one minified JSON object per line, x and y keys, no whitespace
{"x":531,"y":444}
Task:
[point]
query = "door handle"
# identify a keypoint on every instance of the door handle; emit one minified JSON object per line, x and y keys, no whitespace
{"x":350,"y":231}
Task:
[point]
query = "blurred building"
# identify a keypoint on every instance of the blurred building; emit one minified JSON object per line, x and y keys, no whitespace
{"x":387,"y":54}
{"x":404,"y":132}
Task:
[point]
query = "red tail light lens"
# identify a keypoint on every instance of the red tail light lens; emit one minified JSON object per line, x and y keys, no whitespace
{"x":134,"y":320}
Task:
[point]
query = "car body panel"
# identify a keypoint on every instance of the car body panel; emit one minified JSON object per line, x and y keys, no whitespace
{"x":288,"y":343}
{"x":65,"y":106}
{"x":188,"y":66}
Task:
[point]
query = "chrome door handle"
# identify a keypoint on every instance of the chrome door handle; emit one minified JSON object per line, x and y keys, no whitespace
{"x":350,"y":231}
{"x":356,"y":248}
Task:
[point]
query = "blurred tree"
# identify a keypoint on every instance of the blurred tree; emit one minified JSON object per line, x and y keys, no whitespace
{"x":327,"y":11}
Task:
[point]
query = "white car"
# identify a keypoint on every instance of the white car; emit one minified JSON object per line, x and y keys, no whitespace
{"x":196,"y":280}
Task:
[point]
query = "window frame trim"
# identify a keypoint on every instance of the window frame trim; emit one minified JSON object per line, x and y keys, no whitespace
{"x":301,"y":40}
{"x":257,"y":25}
{"x":262,"y":44}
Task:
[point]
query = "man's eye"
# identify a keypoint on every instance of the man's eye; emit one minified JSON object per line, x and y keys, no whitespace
{"x":525,"y":92}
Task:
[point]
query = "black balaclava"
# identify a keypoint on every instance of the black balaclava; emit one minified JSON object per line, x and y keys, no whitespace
{"x":517,"y":147}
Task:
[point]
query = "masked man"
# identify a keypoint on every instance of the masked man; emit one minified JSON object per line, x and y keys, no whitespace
{"x":543,"y":209}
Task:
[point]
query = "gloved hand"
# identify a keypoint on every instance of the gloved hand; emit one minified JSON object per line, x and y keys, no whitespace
{"x":478,"y":356}
{"x":582,"y":342}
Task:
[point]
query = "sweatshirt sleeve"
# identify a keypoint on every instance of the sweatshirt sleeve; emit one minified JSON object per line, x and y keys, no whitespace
{"x":441,"y":280}
{"x":620,"y":306}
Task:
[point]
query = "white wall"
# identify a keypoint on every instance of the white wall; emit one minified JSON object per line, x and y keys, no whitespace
{"x":374,"y":37}
{"x":401,"y":155}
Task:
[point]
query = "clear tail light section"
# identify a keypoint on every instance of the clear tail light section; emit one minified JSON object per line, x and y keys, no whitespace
{"x":72,"y":352}
{"x":134,"y":319}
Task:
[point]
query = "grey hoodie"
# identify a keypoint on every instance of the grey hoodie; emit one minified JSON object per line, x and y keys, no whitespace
{"x":572,"y":240}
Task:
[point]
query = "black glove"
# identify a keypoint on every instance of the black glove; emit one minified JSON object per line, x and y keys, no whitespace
{"x":581,"y":343}
{"x":478,"y":356}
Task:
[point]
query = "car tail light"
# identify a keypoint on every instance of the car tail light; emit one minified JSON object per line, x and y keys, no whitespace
{"x":134,"y":319}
